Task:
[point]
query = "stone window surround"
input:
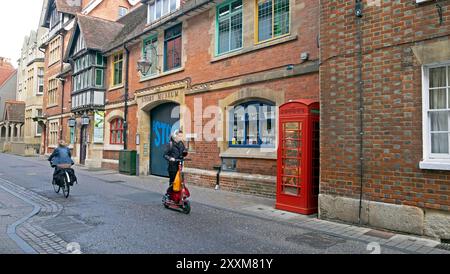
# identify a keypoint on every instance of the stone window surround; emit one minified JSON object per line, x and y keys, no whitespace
{"x":429,"y":55}
{"x":238,"y":97}
{"x":109,"y":118}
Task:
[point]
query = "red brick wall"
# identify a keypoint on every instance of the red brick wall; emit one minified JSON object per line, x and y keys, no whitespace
{"x":109,"y":9}
{"x":392,"y":103}
{"x":199,"y":69}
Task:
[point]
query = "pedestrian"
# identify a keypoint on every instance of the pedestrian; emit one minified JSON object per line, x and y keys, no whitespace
{"x":175,"y":152}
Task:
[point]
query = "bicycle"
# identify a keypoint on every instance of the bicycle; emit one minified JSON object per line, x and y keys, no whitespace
{"x":66,"y":181}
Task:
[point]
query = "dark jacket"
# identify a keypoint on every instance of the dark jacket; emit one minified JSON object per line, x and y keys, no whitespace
{"x":61,"y":155}
{"x":174,"y":150}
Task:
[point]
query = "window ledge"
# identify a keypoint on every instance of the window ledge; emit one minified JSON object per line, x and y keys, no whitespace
{"x":250,"y":153}
{"x":435,"y":165}
{"x":52,"y":105}
{"x":115,"y":88}
{"x":154,"y":76}
{"x":110,"y":147}
{"x":255,"y":47}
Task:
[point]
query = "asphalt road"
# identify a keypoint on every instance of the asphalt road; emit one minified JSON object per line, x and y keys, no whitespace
{"x":104,"y":216}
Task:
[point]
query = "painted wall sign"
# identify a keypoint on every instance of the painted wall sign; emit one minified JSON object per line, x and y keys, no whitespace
{"x":161,"y":96}
{"x":99,"y":125}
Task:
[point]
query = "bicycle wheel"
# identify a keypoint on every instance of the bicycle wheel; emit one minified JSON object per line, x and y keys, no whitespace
{"x":66,"y":188}
{"x":56,"y":187}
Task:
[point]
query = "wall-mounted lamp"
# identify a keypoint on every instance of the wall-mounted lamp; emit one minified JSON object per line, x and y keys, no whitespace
{"x":72,"y":122}
{"x":85,"y":119}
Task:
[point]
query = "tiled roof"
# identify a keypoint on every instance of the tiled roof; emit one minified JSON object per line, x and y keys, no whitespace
{"x":133,"y":24}
{"x":15,"y":111}
{"x":98,"y":33}
{"x":68,"y":6}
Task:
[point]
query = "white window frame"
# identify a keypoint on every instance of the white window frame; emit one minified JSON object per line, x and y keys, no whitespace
{"x":431,"y":160}
{"x":150,"y":20}
{"x":36,"y":134}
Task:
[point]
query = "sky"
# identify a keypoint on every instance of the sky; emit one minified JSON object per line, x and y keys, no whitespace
{"x":18,"y":18}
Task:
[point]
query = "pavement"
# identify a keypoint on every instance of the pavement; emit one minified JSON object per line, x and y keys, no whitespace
{"x":113,"y":213}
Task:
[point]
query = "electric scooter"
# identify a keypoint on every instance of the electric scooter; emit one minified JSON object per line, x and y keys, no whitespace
{"x":179,"y":200}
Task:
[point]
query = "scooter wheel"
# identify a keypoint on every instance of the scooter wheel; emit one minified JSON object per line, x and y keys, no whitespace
{"x":187,"y":207}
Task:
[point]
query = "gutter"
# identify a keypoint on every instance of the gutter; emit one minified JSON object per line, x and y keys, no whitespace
{"x":360,"y":85}
{"x":126,"y":88}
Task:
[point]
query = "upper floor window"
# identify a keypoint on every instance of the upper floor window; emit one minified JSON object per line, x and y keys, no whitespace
{"x":437,"y":112}
{"x":53,"y":133}
{"x":38,"y":127}
{"x":40,"y":76}
{"x":55,"y":17}
{"x":122,"y":11}
{"x":229,"y":26}
{"x":160,"y":8}
{"x":273,"y":18}
{"x":81,"y":44}
{"x":172,"y":48}
{"x":150,"y":53}
{"x":253,"y":125}
{"x":117,"y":63}
{"x":52,"y":92}
{"x":55,"y":51}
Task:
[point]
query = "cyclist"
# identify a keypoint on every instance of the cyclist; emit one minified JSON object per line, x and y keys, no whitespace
{"x":60,"y":156}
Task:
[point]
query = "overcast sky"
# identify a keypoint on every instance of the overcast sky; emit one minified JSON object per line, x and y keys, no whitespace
{"x":18,"y":18}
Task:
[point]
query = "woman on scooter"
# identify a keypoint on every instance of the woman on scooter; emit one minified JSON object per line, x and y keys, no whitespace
{"x":175,"y":151}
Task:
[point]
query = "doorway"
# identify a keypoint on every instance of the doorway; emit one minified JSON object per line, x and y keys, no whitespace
{"x":165,"y":119}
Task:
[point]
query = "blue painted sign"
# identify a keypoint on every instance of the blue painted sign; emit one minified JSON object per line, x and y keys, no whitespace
{"x":165,"y":119}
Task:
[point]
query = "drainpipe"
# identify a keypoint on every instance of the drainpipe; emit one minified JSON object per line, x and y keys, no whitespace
{"x":126,"y":87}
{"x":359,"y":14}
{"x":63,"y":81}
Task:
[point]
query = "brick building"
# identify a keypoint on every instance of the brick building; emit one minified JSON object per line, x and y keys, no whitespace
{"x":244,"y":61}
{"x":59,"y":18}
{"x":6,"y":70}
{"x":394,"y":115}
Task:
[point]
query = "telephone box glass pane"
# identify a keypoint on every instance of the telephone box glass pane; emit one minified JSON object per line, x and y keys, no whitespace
{"x":291,"y":163}
{"x":291,"y":185}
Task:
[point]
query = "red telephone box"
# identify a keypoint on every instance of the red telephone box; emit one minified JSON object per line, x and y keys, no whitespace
{"x":298,"y":157}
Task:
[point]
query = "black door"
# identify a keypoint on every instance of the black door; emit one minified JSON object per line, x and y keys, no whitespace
{"x":83,"y":144}
{"x":164,"y":121}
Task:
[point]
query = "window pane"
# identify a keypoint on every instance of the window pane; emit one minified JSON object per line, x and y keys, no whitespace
{"x":224,"y":42}
{"x":177,"y":53}
{"x":281,"y":19}
{"x":236,"y":5}
{"x":223,"y":11}
{"x":439,"y":121}
{"x":151,"y":15}
{"x":438,"y":77}
{"x":438,"y":99}
{"x":264,"y":19}
{"x":236,"y":31}
{"x":253,"y":123}
{"x":99,"y":77}
{"x":173,"y":5}
{"x":165,"y":7}
{"x":439,"y":142}
{"x":267,"y":123}
{"x":239,"y":126}
{"x":158,"y":9}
